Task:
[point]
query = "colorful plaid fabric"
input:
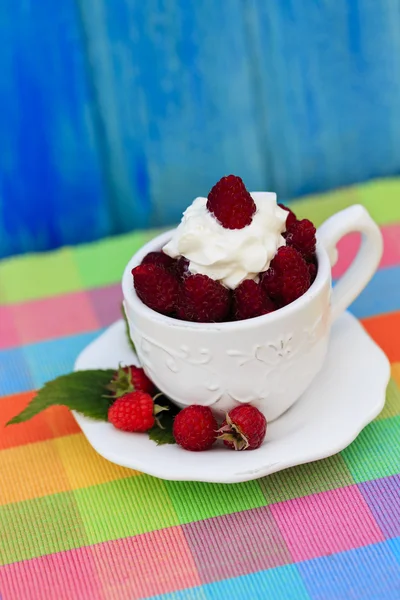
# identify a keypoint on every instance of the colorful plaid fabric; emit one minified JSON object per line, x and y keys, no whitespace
{"x":74,"y":526}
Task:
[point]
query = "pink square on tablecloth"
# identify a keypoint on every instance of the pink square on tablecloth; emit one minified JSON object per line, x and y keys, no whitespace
{"x":54,"y":317}
{"x":348,"y":246}
{"x":65,"y":574}
{"x":106,"y":302}
{"x":146,"y":565}
{"x":347,"y":250}
{"x":8,"y":332}
{"x":254,"y":543}
{"x":391,"y":245}
{"x":326,"y":523}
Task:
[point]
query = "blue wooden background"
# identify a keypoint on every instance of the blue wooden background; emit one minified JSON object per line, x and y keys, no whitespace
{"x":114,"y":114}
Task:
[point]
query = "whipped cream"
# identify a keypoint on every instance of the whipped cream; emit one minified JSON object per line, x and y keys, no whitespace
{"x":229,"y":255}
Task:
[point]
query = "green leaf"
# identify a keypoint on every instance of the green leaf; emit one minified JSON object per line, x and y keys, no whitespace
{"x":121,"y":384}
{"x":163,"y":435}
{"x":82,"y":391}
{"x":128,"y":335}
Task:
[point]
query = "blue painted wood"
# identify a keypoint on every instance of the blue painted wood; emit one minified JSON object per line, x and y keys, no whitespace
{"x":329,"y":76}
{"x":51,"y":183}
{"x":174,"y":85}
{"x":114,"y":115}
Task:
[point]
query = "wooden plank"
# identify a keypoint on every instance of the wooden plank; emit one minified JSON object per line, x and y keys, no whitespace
{"x":51,"y":188}
{"x":329,"y":74}
{"x":174,"y":86}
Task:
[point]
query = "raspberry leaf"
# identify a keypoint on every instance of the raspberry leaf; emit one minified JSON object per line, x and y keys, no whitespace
{"x":161,"y":433}
{"x":161,"y":436}
{"x":82,"y":391}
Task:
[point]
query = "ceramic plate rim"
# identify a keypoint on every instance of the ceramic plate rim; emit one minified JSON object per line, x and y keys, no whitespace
{"x":178,"y":473}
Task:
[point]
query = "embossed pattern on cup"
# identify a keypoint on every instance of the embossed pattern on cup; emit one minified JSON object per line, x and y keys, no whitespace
{"x":268,"y":361}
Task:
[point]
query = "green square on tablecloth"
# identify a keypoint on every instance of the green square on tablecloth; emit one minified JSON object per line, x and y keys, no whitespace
{"x":376,"y":451}
{"x":194,"y":501}
{"x":303,"y":480}
{"x":40,"y":526}
{"x":125,"y":507}
{"x":38,"y":276}
{"x":392,"y":404}
{"x":318,"y":209}
{"x":381,"y":199}
{"x":102,"y":263}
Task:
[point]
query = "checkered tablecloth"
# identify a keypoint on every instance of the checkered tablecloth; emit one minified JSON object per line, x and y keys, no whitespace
{"x":74,"y":526}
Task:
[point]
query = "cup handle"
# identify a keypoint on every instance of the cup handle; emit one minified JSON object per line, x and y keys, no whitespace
{"x":353,"y":219}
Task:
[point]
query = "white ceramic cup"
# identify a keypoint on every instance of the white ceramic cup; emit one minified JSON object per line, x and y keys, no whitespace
{"x":268,"y":361}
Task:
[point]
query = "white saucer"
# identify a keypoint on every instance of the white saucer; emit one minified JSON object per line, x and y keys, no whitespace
{"x":347,"y":394}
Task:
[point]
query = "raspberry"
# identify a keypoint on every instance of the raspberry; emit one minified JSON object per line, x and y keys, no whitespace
{"x":271,"y":284}
{"x":160,"y":259}
{"x":301,"y":235}
{"x":195,"y":428}
{"x":291,"y":218}
{"x":230,"y":203}
{"x":288,"y":277}
{"x":250,"y":300}
{"x":177,"y":266}
{"x":132,"y":412}
{"x":203,"y":300}
{"x":139,"y":379}
{"x":130,"y":379}
{"x":181,"y":267}
{"x":244,"y":428}
{"x":156,"y":287}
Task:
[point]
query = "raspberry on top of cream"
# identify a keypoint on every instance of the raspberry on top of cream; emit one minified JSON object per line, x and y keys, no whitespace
{"x":229,"y":255}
